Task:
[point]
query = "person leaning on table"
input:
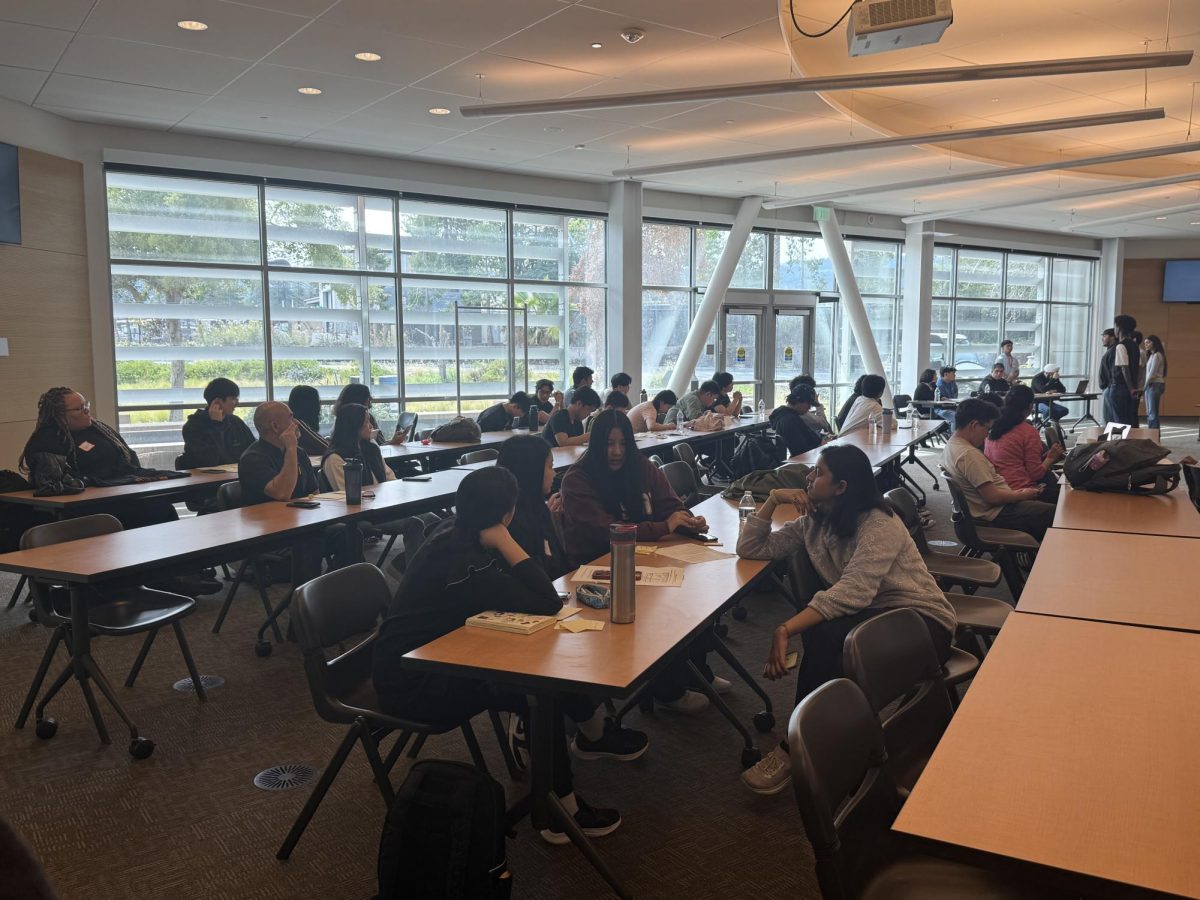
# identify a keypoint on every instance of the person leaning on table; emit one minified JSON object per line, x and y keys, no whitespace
{"x":1048,"y":382}
{"x":867,"y":564}
{"x":644,"y":417}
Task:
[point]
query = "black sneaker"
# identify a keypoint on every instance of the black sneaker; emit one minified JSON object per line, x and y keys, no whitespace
{"x":591,"y":821}
{"x":616,"y":743}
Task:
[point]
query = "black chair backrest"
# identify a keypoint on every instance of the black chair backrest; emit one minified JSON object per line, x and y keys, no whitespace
{"x":682,"y":480}
{"x":901,"y":401}
{"x":964,"y":525}
{"x":229,"y":495}
{"x":685,"y":454}
{"x":1191,"y":474}
{"x":892,"y":659}
{"x":846,"y":797}
{"x":1052,"y":434}
{"x":406,"y":425}
{"x":906,"y":508}
{"x":657,"y":460}
{"x":69,"y":530}
{"x":479,"y":456}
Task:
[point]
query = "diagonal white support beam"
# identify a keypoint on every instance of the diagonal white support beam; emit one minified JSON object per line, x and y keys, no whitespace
{"x":1133,"y":217}
{"x":714,"y":294}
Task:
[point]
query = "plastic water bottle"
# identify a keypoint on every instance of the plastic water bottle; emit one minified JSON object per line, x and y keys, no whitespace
{"x":746,"y":508}
{"x":937,"y":395}
{"x":762,"y":409}
{"x":644,"y":395}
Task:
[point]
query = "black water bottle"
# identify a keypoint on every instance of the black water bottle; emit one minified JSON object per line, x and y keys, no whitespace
{"x":353,"y":474}
{"x":533,"y":419}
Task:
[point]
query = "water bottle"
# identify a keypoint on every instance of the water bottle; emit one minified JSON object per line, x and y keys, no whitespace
{"x":937,"y":395}
{"x":353,"y":475}
{"x":518,"y":424}
{"x":762,"y":409}
{"x":889,"y":421}
{"x":746,"y":508}
{"x":534,"y":419}
{"x":622,"y":541}
{"x":644,"y":395}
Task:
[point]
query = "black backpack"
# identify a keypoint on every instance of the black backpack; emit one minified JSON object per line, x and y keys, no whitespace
{"x":1132,"y":467}
{"x":756,"y":452}
{"x":444,"y":836}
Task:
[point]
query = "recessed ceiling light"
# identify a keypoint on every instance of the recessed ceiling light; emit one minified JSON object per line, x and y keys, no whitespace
{"x":1159,"y":218}
{"x":579,"y":146}
{"x":1194,"y":223}
{"x":596,"y":45}
{"x":368,"y":56}
{"x":192,"y":25}
{"x":995,"y":99}
{"x":438,"y":111}
{"x":552,"y":129}
{"x":309,"y":91}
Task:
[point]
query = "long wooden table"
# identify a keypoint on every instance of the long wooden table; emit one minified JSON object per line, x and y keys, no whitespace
{"x":1170,"y":515}
{"x":1130,"y":579}
{"x":198,"y":480}
{"x":1075,"y":750}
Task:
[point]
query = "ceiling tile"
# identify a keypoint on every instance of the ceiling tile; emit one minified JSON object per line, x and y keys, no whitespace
{"x":412,"y":106}
{"x":330,"y":47}
{"x":240,"y":115}
{"x":244,"y":32}
{"x":31,"y":46}
{"x":66,"y":14}
{"x":278,"y":86}
{"x":234,"y":134}
{"x":506,"y":79}
{"x":134,"y":101}
{"x":565,"y":40}
{"x":713,"y":19}
{"x":21,"y":85}
{"x":298,"y":7}
{"x":147,"y":121}
{"x":476,"y":147}
{"x":717,"y":62}
{"x":369,"y":130}
{"x":150,"y":64}
{"x":632,"y":115}
{"x":766,"y":35}
{"x":732,"y":120}
{"x":473,"y":24}
{"x":558,"y":128}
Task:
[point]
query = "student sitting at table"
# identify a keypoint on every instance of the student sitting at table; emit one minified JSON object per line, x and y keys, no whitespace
{"x":305,"y":404}
{"x":866,"y":406}
{"x":788,"y":420}
{"x":849,"y":402}
{"x":613,"y":483}
{"x":645,"y":416}
{"x":947,"y":387}
{"x":546,"y":399}
{"x":816,"y":416}
{"x":213,"y":435}
{"x":996,"y":383}
{"x":1047,"y":382}
{"x":361,"y":394}
{"x":273,"y":468}
{"x":990,"y":499}
{"x":693,"y":404}
{"x":867,"y":564}
{"x":472,"y":564}
{"x":581,"y":377}
{"x":729,"y":401}
{"x":923,"y":392}
{"x":615,"y":401}
{"x":1014,"y":447}
{"x":500,"y":416}
{"x":621,"y":383}
{"x":352,"y":438}
{"x":565,"y":428}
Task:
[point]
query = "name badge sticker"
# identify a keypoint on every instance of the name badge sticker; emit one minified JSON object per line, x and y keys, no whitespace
{"x":86,"y":446}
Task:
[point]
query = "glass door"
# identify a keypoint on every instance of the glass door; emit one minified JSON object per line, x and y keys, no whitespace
{"x":741,"y":344}
{"x":793,"y":331}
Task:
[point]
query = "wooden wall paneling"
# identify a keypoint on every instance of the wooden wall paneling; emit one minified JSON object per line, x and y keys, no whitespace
{"x":52,"y":203}
{"x":1178,"y":324}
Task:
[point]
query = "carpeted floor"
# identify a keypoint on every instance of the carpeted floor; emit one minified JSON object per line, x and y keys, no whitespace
{"x":189,"y":824}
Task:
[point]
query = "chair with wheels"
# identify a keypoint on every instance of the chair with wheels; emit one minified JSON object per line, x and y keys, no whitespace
{"x":330,"y":612}
{"x":485,"y":455}
{"x":117,"y":612}
{"x":683,"y":482}
{"x":686,"y":453}
{"x":1002,"y":544}
{"x":848,"y":800}
{"x":657,"y":460}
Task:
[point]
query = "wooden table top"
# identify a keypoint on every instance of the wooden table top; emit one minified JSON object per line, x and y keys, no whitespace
{"x":414,"y":449}
{"x":879,"y":454}
{"x":1151,"y":582}
{"x":1092,"y":433}
{"x":1170,"y":515}
{"x":111,"y":556}
{"x":196,"y":480}
{"x":921,"y":428}
{"x":618,"y":657}
{"x":564,"y":458}
{"x":1074,"y":748}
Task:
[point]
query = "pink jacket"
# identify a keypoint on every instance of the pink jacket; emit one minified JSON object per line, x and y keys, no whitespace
{"x":1018,"y":456}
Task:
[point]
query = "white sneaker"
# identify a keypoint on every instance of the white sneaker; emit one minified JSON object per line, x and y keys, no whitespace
{"x":721,"y":685}
{"x":690,"y":703}
{"x":772,"y":774}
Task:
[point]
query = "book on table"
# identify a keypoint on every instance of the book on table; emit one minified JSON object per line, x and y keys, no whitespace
{"x":518,"y":623}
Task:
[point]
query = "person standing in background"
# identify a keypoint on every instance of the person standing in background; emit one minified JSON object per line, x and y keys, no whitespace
{"x":1155,"y":379}
{"x":1012,"y":368}
{"x":1126,"y":360}
{"x":1108,"y":340}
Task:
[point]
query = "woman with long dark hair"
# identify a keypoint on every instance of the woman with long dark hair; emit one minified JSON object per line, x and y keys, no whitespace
{"x":531,"y":462}
{"x":351,"y":438}
{"x":305,"y":404}
{"x":1015,"y":449}
{"x":1155,"y":381}
{"x":867,"y":563}
{"x":360,"y":394}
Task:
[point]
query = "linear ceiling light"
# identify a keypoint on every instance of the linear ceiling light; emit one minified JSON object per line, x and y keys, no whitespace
{"x":1057,"y":198}
{"x":862,"y":81}
{"x":933,"y":137}
{"x":919,"y":183}
{"x":1133,"y":217}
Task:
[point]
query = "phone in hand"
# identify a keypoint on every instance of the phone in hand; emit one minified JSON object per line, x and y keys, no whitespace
{"x":305,"y":504}
{"x":792,"y":659}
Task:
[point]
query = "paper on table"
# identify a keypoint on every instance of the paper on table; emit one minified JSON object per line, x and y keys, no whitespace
{"x":646,"y":549}
{"x":330,"y":495}
{"x":645,"y":575}
{"x":229,"y":468}
{"x":692,"y":553}
{"x":566,"y":612}
{"x":577,"y":625}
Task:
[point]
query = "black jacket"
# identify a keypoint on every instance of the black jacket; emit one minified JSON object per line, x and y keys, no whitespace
{"x":209,"y":443}
{"x":992,"y":385}
{"x":796,"y":433}
{"x":494,"y":418}
{"x":1044,"y":384}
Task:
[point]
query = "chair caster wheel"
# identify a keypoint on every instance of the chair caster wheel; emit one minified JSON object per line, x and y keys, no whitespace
{"x":46,"y":728}
{"x":764,"y":721}
{"x":751,"y":756}
{"x":739,"y":613}
{"x":141,"y":748}
{"x":262,"y":649}
{"x":721,"y":630}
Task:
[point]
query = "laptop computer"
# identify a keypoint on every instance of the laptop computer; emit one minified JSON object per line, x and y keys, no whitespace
{"x":1115,"y":431}
{"x":1083,"y":386}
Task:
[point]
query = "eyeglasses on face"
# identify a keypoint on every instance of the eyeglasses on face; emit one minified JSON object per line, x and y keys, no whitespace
{"x":86,"y":407}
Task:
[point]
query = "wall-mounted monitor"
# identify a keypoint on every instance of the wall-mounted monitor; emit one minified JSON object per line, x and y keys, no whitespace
{"x":10,"y":196}
{"x":1181,"y":281}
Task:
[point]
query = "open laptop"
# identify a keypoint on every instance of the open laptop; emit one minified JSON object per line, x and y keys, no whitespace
{"x":1083,"y":386}
{"x":1115,"y":431}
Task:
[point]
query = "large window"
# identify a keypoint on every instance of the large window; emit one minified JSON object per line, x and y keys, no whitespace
{"x":1042,"y":303}
{"x":278,"y":285}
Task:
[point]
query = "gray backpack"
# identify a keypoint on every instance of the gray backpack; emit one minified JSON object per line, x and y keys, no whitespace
{"x":460,"y":429}
{"x":1132,"y":467}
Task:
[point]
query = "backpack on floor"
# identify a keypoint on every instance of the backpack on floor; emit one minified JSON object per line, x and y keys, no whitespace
{"x":444,"y":836}
{"x":1128,"y":466}
{"x":756,"y":452}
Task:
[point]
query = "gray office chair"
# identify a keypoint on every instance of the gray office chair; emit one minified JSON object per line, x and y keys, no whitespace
{"x":683,"y":482}
{"x":1002,"y":544}
{"x":657,"y":460}
{"x":485,"y":455}
{"x":1191,"y":474}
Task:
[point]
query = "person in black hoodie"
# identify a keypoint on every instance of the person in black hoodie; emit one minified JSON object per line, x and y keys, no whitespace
{"x":305,"y":403}
{"x":472,"y":564}
{"x":214,"y":436}
{"x":531,"y":462}
{"x":788,"y":420}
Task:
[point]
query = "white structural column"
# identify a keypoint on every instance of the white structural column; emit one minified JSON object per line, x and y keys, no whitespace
{"x":851,"y":299}
{"x":625,"y":282}
{"x":918,"y":303}
{"x":1108,"y":304}
{"x":714,"y":294}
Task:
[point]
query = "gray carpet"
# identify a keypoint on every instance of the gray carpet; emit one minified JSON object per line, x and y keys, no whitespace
{"x":189,"y":823}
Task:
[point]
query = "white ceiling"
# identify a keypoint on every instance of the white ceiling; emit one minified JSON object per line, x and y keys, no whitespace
{"x":126,"y":62}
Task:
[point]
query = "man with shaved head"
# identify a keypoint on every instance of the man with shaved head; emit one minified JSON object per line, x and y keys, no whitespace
{"x":272,"y":468}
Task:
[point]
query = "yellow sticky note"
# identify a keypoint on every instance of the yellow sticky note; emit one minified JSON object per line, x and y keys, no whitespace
{"x":577,"y":625}
{"x":647,"y":549}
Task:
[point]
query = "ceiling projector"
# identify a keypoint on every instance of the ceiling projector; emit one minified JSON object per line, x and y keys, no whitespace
{"x":877,"y":26}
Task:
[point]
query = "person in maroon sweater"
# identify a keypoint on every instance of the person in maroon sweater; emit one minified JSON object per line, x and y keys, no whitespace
{"x":612,"y":483}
